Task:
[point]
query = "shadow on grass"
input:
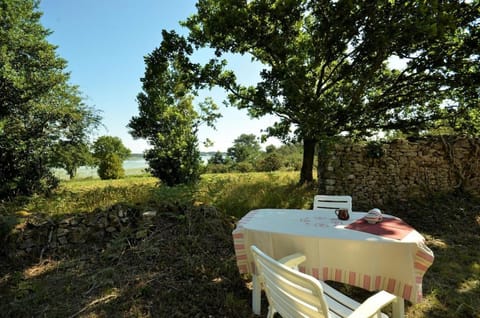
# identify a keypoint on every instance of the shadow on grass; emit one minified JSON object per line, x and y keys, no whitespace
{"x":183,"y":267}
{"x":451,"y":225}
{"x":449,"y":222}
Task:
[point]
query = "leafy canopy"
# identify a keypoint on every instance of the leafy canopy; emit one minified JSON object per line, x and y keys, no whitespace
{"x":326,"y":63}
{"x":108,"y":145}
{"x":245,"y":147}
{"x":39,"y":110}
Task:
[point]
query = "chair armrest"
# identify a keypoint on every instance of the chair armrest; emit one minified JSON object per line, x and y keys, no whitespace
{"x":293,"y":260}
{"x":373,"y":304}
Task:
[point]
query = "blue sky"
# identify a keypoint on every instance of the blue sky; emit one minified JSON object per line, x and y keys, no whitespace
{"x":104,"y":42}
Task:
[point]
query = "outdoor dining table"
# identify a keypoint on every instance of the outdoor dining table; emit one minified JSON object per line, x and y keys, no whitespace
{"x":389,"y":255}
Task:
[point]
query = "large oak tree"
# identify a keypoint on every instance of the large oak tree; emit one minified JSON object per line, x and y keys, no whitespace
{"x":326,"y":63}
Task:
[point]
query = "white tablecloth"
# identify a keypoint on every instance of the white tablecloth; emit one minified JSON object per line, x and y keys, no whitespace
{"x":369,"y":261}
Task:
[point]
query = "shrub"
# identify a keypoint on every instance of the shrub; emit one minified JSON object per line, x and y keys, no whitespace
{"x":244,"y":166}
{"x":271,"y":162}
{"x":218,"y":168}
{"x":111,"y":167}
{"x":175,"y":164}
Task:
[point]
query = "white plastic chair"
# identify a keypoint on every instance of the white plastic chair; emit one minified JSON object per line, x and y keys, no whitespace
{"x":294,"y":294}
{"x":330,"y":203}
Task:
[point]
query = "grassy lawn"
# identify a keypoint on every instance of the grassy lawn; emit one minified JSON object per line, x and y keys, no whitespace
{"x":185,"y":266}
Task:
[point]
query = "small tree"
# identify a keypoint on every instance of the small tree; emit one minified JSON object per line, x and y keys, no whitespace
{"x":270,"y":162}
{"x":111,"y":167}
{"x":175,"y":160}
{"x":167,"y":117}
{"x":245,"y":147}
{"x":70,"y":156}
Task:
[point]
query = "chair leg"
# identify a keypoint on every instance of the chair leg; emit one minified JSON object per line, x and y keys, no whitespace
{"x":256,"y":296}
{"x":398,"y":308}
{"x":271,"y":312}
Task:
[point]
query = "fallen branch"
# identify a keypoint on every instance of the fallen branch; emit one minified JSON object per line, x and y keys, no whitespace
{"x":93,"y":303}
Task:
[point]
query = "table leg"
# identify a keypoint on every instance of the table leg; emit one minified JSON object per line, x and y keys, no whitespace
{"x":398,"y":308}
{"x":256,"y":295}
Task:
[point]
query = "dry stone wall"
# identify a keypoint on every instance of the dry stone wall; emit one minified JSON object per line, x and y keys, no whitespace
{"x":38,"y":236}
{"x":401,"y":169}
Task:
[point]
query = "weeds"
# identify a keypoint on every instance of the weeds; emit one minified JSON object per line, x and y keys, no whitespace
{"x":236,"y":194}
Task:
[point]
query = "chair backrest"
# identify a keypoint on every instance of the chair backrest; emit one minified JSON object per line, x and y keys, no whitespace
{"x":332,"y":202}
{"x":289,"y":292}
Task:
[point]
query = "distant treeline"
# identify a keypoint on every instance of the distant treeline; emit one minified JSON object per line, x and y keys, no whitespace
{"x":246,"y":156}
{"x":139,"y":156}
{"x":135,"y":156}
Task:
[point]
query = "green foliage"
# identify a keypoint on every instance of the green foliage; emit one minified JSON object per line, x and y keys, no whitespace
{"x":245,"y":148}
{"x":71,"y":156}
{"x":167,"y":116}
{"x":174,"y":157}
{"x":270,"y":162}
{"x":219,"y":168}
{"x":111,"y":167}
{"x":467,"y":123}
{"x":291,"y":156}
{"x":23,"y":170}
{"x":109,"y":152}
{"x":217,"y":159}
{"x":175,"y":164}
{"x":286,"y":157}
{"x":39,"y":110}
{"x":374,"y":149}
{"x":244,"y":166}
{"x":327,"y":64}
{"x":107,"y":145}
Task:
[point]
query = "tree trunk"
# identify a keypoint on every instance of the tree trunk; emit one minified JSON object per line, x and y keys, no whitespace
{"x":306,"y":174}
{"x":321,"y":167}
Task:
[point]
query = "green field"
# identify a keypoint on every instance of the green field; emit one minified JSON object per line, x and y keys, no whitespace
{"x":186,"y":267}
